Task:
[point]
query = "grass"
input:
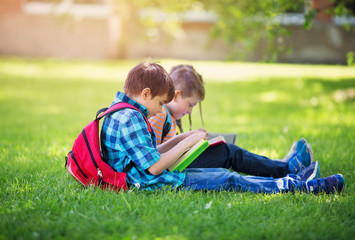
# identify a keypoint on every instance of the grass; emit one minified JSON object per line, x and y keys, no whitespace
{"x":44,"y":104}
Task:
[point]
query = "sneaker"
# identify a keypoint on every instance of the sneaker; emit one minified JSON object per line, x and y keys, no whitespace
{"x":300,"y":160}
{"x":327,"y":185}
{"x":296,"y":147}
{"x":300,"y":144}
{"x":309,"y":173}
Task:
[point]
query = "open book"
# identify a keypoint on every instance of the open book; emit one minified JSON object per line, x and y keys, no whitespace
{"x":216,"y":141}
{"x":190,"y":155}
{"x":228,"y":137}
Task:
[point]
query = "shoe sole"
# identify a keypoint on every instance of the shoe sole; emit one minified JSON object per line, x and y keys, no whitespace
{"x":309,"y":147}
{"x":342,"y":182}
{"x":290,"y":153}
{"x":314,"y":173}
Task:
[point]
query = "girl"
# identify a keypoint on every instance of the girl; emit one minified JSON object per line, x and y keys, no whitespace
{"x":189,"y":91}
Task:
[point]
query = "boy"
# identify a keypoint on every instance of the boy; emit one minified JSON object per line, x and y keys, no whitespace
{"x":126,"y":139}
{"x":189,"y":91}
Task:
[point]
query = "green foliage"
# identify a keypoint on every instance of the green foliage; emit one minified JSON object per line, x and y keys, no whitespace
{"x":44,"y":104}
{"x":346,"y":9}
{"x":249,"y":23}
{"x":309,"y":18}
{"x":350,"y":59}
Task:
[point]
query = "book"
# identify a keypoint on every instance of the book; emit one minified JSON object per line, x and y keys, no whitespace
{"x":191,"y":154}
{"x":228,"y":137}
{"x":216,"y":141}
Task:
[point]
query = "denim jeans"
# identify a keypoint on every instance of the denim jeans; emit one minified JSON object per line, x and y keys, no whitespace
{"x":240,"y":160}
{"x":223,"y":179}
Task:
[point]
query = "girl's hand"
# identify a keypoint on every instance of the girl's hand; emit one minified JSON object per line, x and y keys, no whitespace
{"x":194,"y":138}
{"x":202,"y":130}
{"x":197,"y":131}
{"x":187,"y":134}
{"x":184,"y":135}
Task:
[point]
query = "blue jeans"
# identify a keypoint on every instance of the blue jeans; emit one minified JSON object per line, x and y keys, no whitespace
{"x":223,"y":179}
{"x":240,"y":160}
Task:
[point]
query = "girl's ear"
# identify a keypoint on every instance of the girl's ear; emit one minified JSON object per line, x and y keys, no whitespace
{"x":145,"y":94}
{"x":177,"y":94}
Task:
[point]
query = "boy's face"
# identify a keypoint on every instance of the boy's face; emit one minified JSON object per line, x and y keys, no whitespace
{"x":180,"y":106}
{"x":155,"y":105}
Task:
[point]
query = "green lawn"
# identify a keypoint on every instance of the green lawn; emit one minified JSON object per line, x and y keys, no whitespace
{"x":44,"y":104}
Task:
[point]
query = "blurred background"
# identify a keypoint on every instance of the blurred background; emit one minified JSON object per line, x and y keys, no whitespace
{"x":298,"y":31}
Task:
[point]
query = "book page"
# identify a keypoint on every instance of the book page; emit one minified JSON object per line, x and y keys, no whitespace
{"x":216,"y":140}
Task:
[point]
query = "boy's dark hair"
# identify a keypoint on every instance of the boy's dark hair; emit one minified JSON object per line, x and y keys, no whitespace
{"x":152,"y":76}
{"x":187,"y":80}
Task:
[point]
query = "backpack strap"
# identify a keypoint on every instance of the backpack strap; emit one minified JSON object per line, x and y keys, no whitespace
{"x":100,"y":111}
{"x":114,"y":108}
{"x":129,"y":166}
{"x":167,"y":124}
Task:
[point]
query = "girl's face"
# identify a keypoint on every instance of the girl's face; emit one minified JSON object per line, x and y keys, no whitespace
{"x":181,"y":106}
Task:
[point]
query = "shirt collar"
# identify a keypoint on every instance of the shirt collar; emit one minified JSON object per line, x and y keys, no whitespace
{"x":121,"y":97}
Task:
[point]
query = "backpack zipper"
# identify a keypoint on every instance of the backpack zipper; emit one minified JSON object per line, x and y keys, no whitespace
{"x":99,"y":173}
{"x":76,"y":163}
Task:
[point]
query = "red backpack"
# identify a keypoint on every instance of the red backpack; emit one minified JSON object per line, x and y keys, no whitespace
{"x":84,"y":162}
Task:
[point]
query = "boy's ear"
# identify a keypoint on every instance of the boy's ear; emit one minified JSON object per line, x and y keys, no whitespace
{"x":145,"y":94}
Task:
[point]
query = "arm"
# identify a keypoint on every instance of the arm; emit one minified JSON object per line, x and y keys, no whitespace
{"x":170,"y":157}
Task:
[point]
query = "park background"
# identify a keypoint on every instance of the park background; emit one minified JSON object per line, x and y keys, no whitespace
{"x":270,"y":78}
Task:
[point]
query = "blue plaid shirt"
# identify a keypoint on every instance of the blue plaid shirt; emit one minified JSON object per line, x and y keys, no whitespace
{"x":126,"y":138}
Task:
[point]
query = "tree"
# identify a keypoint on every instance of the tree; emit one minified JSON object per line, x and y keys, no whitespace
{"x":247,"y":24}
{"x":252,"y":23}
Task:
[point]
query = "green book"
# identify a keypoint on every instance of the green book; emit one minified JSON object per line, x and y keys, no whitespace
{"x":190,"y":155}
